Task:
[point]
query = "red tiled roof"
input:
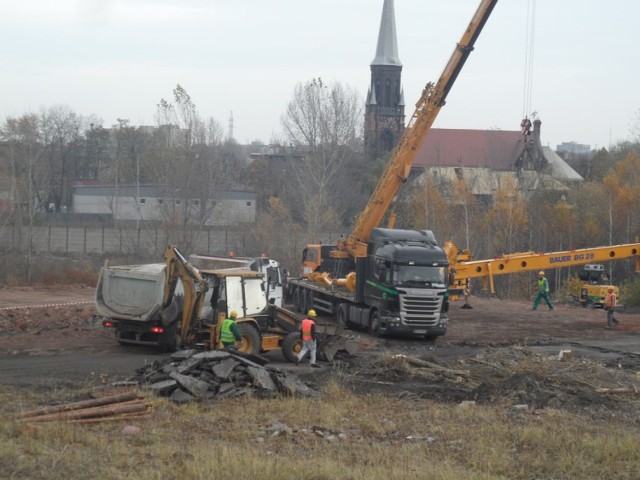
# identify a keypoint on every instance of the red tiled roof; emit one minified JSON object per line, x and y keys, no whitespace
{"x":494,"y":149}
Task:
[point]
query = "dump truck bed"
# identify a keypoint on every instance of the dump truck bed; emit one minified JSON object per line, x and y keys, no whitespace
{"x":130,"y":292}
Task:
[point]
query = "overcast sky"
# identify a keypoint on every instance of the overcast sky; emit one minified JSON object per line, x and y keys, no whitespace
{"x":118,"y":58}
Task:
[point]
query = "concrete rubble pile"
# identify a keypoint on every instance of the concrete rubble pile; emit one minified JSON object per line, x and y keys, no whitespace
{"x":190,"y":375}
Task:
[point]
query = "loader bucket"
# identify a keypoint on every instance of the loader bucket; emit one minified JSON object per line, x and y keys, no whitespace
{"x":332,"y":344}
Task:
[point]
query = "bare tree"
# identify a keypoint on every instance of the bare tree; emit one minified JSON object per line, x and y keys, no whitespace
{"x":187,"y":158}
{"x":325,"y":123}
{"x":61,"y":132}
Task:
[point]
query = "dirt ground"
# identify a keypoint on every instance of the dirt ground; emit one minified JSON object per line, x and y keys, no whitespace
{"x":499,"y":352}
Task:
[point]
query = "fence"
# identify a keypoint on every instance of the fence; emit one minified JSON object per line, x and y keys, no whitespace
{"x":99,"y":240}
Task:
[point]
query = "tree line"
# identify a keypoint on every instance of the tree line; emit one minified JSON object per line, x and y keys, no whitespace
{"x":321,"y":185}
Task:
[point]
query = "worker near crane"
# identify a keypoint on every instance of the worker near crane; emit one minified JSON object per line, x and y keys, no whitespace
{"x":308,"y":336}
{"x":543,"y":292}
{"x":610,"y":306}
{"x":230,"y":333}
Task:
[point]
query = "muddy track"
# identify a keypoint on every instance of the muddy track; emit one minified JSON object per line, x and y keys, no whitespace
{"x":51,"y":338}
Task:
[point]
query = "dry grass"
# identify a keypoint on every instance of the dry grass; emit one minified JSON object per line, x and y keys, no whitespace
{"x":362,"y":438}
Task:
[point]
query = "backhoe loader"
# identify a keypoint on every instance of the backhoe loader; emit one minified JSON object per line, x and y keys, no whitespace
{"x":175,"y":305}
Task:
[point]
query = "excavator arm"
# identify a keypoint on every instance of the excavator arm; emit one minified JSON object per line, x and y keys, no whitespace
{"x":195,"y":287}
{"x":397,"y":171}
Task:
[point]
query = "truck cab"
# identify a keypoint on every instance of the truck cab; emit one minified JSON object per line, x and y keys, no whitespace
{"x":406,"y":281}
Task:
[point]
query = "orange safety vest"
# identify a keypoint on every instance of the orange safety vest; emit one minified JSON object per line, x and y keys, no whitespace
{"x":306,"y":329}
{"x":611,"y":299}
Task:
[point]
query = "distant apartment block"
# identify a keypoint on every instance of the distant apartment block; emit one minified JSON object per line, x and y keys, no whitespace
{"x":574,"y":148}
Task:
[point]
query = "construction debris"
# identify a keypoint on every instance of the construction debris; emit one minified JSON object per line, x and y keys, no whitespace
{"x":190,"y":375}
{"x":124,"y":406}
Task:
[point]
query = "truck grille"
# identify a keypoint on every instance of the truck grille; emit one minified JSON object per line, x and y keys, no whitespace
{"x":417,"y":311}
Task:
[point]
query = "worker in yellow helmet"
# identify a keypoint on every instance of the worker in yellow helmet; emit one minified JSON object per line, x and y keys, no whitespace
{"x":230,"y":333}
{"x":543,"y":292}
{"x":308,"y":336}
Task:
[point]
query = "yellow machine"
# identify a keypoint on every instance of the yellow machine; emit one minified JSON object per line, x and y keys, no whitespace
{"x":400,"y":279}
{"x":194,"y":305}
{"x":467,"y":269}
{"x":593,"y":292}
{"x":397,"y":170}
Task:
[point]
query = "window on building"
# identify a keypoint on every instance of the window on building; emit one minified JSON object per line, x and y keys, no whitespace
{"x":196,"y":203}
{"x":248,"y":204}
{"x":143,"y":200}
{"x":160,"y":201}
{"x":178,"y":202}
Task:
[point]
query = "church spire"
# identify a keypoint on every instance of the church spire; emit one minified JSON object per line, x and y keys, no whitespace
{"x":387,"y":51}
{"x":384,"y":110}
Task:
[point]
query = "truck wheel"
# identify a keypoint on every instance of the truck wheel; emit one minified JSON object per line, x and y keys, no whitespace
{"x":342,"y":315}
{"x":291,"y":346}
{"x":251,"y":342}
{"x":374,"y":324}
{"x":170,"y":340}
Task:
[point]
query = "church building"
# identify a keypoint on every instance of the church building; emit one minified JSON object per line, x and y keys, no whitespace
{"x":481,"y":157}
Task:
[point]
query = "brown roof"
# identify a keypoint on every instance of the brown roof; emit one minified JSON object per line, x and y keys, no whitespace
{"x":493,"y":149}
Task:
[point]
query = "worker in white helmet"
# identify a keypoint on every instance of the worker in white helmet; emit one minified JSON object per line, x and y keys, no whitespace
{"x":543,"y":292}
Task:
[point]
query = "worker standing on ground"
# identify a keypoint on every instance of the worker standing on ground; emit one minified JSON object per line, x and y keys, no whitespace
{"x":308,"y":336}
{"x":610,"y":306}
{"x":543,"y":292}
{"x":230,"y":333}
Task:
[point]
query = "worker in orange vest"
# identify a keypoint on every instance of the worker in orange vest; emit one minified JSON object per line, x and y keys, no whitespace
{"x":308,"y":336}
{"x":610,"y":306}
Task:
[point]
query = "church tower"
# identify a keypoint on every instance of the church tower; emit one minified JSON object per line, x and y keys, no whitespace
{"x":384,"y":109}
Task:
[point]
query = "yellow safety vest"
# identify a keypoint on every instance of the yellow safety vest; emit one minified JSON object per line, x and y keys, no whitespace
{"x":306,"y":329}
{"x":226,"y":335}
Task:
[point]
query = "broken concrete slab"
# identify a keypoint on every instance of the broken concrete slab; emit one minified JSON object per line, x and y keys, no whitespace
{"x":188,"y":365}
{"x":223,"y":369}
{"x":194,"y":386}
{"x":261,"y":378}
{"x":193,"y":375}
{"x":212,"y":355}
{"x":180,"y":396}
{"x":163,"y":387}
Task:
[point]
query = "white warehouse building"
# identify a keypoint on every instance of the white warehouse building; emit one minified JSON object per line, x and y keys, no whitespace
{"x":155,"y":203}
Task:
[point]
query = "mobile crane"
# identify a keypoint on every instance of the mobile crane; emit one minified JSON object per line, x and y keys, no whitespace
{"x":591,"y":294}
{"x":386,"y":280}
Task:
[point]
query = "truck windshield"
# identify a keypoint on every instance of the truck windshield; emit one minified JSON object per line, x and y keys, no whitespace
{"x":419,"y":275}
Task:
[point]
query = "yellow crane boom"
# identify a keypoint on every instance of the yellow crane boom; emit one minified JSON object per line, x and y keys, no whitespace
{"x":427,"y":108}
{"x":526,"y":261}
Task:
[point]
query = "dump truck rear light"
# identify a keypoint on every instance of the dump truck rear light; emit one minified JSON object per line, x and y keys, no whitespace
{"x":157,"y":330}
{"x":107,"y":323}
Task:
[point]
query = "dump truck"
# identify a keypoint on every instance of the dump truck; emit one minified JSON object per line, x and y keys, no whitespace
{"x":386,"y":280}
{"x":174,"y":305}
